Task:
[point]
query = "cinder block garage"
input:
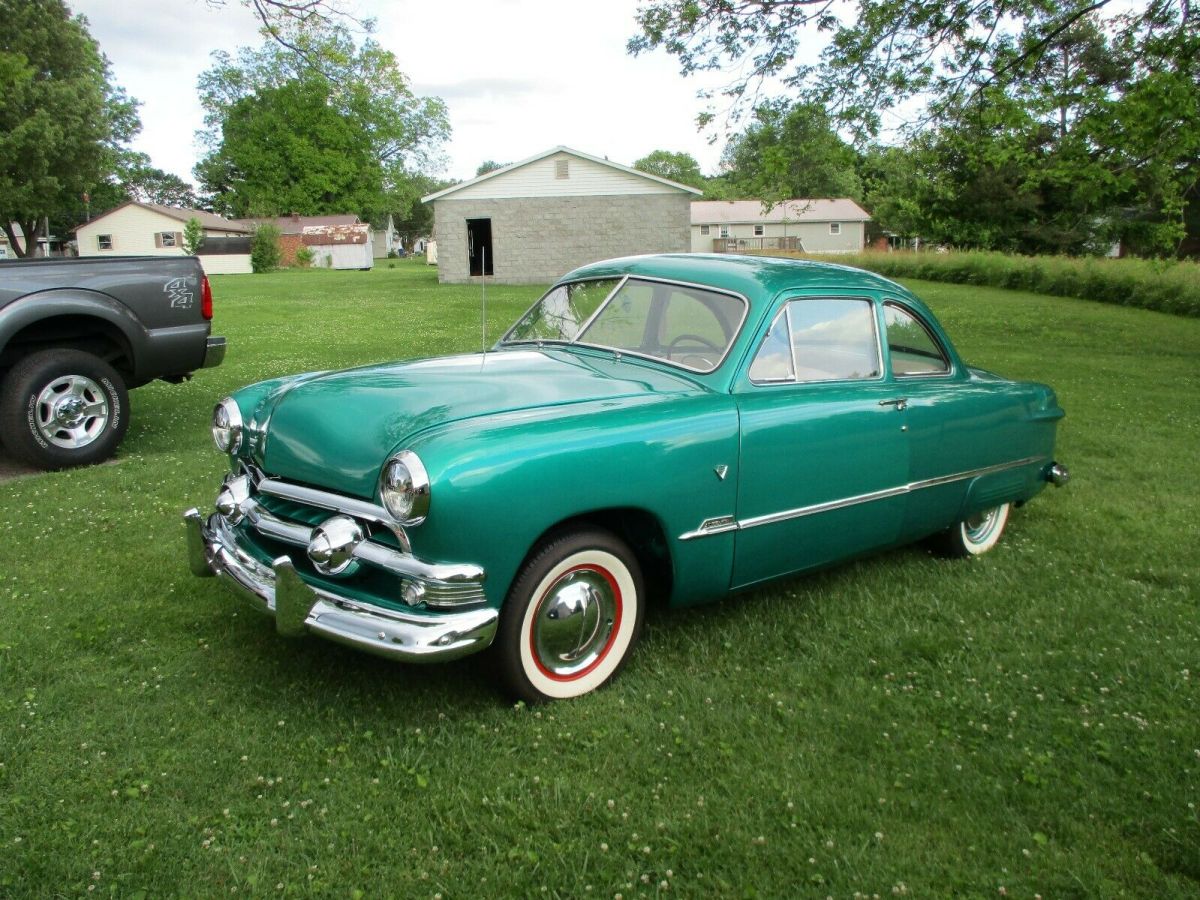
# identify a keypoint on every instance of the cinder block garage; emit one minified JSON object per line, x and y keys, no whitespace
{"x":530,"y":222}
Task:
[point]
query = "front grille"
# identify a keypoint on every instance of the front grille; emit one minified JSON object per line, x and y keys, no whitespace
{"x":387,"y":573}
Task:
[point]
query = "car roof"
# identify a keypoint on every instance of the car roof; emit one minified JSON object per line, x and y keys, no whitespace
{"x":755,"y":277}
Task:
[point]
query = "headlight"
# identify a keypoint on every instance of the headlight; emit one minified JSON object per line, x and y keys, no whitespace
{"x":227,"y":426}
{"x":404,"y":488}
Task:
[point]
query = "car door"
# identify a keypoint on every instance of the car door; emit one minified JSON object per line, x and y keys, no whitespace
{"x":825,"y":459}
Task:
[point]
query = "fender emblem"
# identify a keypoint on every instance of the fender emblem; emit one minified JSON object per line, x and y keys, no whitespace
{"x":721,"y":471}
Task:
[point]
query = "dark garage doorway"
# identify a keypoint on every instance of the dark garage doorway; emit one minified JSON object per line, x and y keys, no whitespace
{"x":479,"y":246}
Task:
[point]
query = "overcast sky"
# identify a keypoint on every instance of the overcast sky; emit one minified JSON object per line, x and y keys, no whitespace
{"x":518,"y":76}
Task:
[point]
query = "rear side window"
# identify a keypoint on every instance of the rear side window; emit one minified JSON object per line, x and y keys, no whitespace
{"x":820,"y":339}
{"x":911,"y":347}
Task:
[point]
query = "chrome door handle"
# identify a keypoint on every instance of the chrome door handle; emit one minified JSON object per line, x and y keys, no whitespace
{"x":901,"y":403}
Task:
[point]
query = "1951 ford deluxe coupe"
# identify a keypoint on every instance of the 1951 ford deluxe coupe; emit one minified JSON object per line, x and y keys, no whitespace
{"x":681,"y":426}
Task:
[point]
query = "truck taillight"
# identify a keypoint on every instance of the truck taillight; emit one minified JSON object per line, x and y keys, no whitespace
{"x":205,"y":297}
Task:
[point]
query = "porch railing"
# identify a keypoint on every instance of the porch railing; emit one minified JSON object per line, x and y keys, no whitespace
{"x":746,"y":245}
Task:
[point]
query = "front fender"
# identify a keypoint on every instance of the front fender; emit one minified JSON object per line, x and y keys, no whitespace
{"x":500,"y":482}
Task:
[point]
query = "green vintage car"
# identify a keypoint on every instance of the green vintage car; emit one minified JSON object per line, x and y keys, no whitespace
{"x":677,"y":426}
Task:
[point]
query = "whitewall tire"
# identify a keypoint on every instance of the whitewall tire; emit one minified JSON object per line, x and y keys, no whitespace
{"x":976,"y":534}
{"x":571,"y":618}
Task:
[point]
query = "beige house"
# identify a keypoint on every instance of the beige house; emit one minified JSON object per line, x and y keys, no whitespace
{"x":148,"y":229}
{"x":811,"y":226}
{"x":530,"y":222}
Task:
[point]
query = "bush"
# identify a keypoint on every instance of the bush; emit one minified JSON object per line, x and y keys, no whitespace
{"x":1163,"y":285}
{"x":265,"y":255}
{"x":304,"y":257}
{"x":193,"y":236}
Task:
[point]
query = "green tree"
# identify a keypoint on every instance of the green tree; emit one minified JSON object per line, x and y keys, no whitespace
{"x":882,"y":53}
{"x":268,"y":166}
{"x":61,"y":119}
{"x":411,"y":217}
{"x":275,"y":126}
{"x":489,"y":165}
{"x":678,"y":167}
{"x":1080,"y":115}
{"x":142,"y":181}
{"x":193,"y":236}
{"x":790,"y":152}
{"x":265,"y":254}
{"x":1067,"y":163}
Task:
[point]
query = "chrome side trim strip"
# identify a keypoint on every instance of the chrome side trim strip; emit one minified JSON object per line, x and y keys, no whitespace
{"x":719,"y":525}
{"x":772,"y":518}
{"x":726,"y":523}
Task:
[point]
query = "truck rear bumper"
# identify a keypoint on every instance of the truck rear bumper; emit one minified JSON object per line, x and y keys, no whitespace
{"x":214,"y":352}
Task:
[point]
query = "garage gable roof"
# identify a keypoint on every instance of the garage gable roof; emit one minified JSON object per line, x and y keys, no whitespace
{"x":497,"y":173}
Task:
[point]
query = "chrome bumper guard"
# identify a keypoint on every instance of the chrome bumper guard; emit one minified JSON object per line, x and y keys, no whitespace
{"x":299,"y":608}
{"x":1057,"y":474}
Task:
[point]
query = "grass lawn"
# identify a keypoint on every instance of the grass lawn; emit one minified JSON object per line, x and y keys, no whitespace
{"x":1025,"y":723}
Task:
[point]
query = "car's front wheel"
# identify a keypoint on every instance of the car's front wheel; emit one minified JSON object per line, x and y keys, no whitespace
{"x":571,"y":618}
{"x":63,"y":408}
{"x":975,"y":534}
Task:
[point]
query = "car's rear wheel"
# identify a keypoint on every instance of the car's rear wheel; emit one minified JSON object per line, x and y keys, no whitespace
{"x":571,"y":618}
{"x":63,"y":408}
{"x":975,"y":534}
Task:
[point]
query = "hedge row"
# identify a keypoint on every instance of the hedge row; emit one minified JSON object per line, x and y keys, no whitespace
{"x":1164,"y":285}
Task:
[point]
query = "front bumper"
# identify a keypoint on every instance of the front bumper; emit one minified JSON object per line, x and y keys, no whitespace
{"x":299,"y":608}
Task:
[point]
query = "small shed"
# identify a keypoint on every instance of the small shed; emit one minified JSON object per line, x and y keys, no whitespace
{"x":530,"y":222}
{"x":340,"y":246}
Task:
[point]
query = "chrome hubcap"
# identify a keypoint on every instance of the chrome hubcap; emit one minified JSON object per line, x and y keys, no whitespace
{"x":71,"y":412}
{"x":980,"y":525}
{"x":573,"y":626}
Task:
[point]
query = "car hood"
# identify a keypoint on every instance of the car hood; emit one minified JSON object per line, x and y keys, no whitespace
{"x":335,"y":429}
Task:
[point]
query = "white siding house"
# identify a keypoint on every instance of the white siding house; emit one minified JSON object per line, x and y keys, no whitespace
{"x":148,"y":229}
{"x":811,"y":226}
{"x":530,"y":222}
{"x":385,"y":239}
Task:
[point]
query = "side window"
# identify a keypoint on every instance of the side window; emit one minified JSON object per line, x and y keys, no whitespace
{"x":912,"y":348}
{"x":826,"y":339}
{"x":774,"y":359}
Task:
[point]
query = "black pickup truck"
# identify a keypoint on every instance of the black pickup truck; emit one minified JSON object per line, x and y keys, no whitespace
{"x":77,"y":334}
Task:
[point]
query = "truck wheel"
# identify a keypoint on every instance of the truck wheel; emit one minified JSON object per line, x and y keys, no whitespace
{"x":571,"y":618}
{"x":61,"y":408}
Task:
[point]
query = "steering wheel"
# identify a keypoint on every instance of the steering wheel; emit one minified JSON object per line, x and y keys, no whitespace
{"x":695,"y":338}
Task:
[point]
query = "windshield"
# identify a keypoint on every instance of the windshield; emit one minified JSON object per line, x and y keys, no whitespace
{"x":684,"y":325}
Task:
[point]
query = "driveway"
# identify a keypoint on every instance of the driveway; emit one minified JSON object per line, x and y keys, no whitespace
{"x":10,"y":468}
